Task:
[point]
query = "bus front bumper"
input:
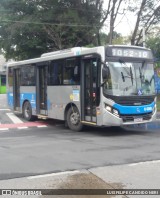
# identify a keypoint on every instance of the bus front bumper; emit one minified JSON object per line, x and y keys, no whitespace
{"x":110,"y":119}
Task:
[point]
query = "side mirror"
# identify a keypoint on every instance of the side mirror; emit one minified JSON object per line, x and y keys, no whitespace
{"x":105,"y":72}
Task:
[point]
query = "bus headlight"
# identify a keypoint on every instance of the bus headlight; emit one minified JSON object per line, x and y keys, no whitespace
{"x":112,"y":110}
{"x":115,"y":112}
{"x":108,"y":108}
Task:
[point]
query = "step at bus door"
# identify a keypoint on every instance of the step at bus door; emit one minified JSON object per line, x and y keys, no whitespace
{"x":16,"y":89}
{"x":90,"y":88}
{"x":41,"y":89}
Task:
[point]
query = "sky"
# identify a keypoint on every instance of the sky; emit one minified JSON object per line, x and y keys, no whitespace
{"x":124,"y":23}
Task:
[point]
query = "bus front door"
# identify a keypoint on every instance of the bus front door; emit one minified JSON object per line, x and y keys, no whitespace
{"x":16,"y":89}
{"x":41,"y":90}
{"x":90,"y":89}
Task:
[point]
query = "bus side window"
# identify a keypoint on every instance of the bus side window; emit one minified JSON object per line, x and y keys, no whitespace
{"x":71,"y":72}
{"x":28,"y":75}
{"x":77,"y":70}
{"x":55,"y":73}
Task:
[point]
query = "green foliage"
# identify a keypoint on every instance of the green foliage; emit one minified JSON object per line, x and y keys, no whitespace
{"x":158,"y":103}
{"x":117,"y":38}
{"x":154,"y":44}
{"x":32,"y":27}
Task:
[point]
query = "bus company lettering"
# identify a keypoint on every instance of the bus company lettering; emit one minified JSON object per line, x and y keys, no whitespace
{"x":148,"y":109}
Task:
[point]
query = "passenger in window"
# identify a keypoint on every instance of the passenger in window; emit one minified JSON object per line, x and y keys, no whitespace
{"x":76,"y":75}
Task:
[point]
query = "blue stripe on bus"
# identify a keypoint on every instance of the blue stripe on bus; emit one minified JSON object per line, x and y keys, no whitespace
{"x":31,"y":97}
{"x":10,"y":99}
{"x":134,"y":109}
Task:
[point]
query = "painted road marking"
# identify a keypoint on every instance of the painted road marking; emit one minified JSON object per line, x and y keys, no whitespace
{"x":5,"y":110}
{"x":4,"y":129}
{"x":23,"y":125}
{"x":14,"y":118}
{"x":53,"y":174}
{"x":42,"y":126}
{"x":18,"y":123}
{"x":143,"y":163}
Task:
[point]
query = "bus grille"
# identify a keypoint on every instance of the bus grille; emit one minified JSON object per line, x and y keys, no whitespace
{"x":133,"y":100}
{"x":131,"y":118}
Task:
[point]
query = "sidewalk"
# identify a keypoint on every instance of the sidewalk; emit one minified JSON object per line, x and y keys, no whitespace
{"x":138,"y":177}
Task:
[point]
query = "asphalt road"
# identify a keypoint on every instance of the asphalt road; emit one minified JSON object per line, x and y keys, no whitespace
{"x":33,"y":151}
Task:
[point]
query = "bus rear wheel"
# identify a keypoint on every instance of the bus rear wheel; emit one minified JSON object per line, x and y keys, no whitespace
{"x":73,"y":119}
{"x":27,"y":112}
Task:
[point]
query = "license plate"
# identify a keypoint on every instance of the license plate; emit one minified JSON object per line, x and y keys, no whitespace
{"x":138,"y":119}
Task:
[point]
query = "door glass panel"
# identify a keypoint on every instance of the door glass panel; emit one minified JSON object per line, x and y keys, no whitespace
{"x":16,"y":88}
{"x":91,"y":90}
{"x":43,"y":87}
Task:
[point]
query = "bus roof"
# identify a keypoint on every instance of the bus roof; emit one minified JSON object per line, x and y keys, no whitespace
{"x":72,"y":52}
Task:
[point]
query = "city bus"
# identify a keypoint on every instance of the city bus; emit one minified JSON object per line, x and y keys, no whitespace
{"x":2,"y":82}
{"x":101,"y":86}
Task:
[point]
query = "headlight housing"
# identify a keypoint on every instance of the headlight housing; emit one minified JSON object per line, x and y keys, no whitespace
{"x":112,"y":110}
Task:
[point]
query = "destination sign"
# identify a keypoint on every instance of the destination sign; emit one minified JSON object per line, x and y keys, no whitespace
{"x":129,"y":52}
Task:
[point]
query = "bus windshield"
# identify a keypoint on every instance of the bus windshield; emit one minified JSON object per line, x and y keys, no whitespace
{"x":130,"y":78}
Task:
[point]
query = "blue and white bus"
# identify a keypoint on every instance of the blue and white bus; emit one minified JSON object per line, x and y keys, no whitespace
{"x":101,"y":86}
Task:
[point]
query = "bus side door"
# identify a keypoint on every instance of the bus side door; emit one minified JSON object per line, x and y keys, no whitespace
{"x":41,"y":89}
{"x":90,"y":88}
{"x":16,"y":89}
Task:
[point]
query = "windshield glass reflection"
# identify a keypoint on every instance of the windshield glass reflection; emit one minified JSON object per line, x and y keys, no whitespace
{"x":130,"y":78}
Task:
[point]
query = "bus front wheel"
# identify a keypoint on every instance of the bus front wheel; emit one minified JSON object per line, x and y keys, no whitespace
{"x":73,"y":119}
{"x":27,"y":112}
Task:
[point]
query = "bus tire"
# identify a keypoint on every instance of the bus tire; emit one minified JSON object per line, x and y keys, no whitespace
{"x":27,"y":112}
{"x":73,"y":119}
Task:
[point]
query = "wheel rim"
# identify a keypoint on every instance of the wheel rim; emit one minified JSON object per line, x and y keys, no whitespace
{"x":27,"y":111}
{"x":75,"y":118}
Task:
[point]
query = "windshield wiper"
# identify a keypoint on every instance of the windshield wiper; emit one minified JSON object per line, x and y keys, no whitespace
{"x":123,"y":62}
{"x":140,"y":70}
{"x":140,"y":73}
{"x":130,"y":75}
{"x":123,"y":78}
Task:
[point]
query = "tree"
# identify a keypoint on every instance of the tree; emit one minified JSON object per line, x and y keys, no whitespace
{"x":153,"y":42}
{"x":148,"y":15}
{"x":111,"y":13}
{"x":20,"y":38}
{"x":32,"y":27}
{"x":116,"y":38}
